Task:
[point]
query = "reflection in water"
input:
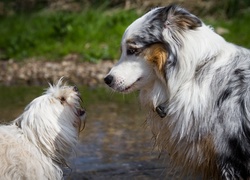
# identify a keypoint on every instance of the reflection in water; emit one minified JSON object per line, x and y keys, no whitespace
{"x":115,"y":144}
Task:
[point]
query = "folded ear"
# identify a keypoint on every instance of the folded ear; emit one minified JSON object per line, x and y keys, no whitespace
{"x":178,"y":17}
{"x":18,"y":121}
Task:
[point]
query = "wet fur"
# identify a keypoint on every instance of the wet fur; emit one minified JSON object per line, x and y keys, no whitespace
{"x":198,"y":83}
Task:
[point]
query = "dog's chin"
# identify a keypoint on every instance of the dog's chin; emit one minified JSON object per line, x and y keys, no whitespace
{"x":81,"y":115}
{"x":80,"y":118}
{"x":131,"y":88}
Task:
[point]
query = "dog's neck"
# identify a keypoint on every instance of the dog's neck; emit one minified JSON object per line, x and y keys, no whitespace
{"x":153,"y":95}
{"x":57,"y":145}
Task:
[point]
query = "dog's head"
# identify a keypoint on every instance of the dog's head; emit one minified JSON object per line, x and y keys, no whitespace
{"x":60,"y":105}
{"x":149,"y":48}
{"x":66,"y":100}
{"x":53,"y":120}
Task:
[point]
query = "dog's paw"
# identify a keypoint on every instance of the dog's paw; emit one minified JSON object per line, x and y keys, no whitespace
{"x":161,"y":110}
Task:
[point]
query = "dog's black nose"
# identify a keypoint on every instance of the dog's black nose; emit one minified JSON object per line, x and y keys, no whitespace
{"x":108,"y":79}
{"x":75,"y":89}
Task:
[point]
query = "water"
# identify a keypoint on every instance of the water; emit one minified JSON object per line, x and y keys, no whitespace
{"x":115,"y":144}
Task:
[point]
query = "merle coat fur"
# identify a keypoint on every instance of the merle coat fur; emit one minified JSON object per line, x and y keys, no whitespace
{"x":197,"y":91}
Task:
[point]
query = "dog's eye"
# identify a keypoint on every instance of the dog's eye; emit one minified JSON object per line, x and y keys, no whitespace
{"x":62,"y":99}
{"x":131,"y":51}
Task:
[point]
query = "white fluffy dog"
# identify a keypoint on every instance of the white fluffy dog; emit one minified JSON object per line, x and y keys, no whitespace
{"x":36,"y":144}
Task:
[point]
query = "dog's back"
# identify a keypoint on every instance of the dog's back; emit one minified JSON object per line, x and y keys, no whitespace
{"x":21,"y":159}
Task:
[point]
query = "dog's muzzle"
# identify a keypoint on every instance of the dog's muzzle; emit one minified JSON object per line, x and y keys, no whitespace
{"x":80,"y":111}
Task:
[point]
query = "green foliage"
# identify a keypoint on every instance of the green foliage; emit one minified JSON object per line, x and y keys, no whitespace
{"x":233,"y":7}
{"x":94,"y":34}
{"x":17,"y":96}
{"x":238,"y":29}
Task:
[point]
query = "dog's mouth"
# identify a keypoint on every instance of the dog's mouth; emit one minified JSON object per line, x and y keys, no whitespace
{"x":80,"y":121}
{"x":80,"y":110}
{"x":131,"y":87}
{"x":80,"y":113}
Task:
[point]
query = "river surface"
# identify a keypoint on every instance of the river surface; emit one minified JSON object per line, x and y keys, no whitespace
{"x":115,"y":144}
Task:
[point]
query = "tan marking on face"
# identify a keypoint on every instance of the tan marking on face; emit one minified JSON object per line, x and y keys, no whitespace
{"x":157,"y":55}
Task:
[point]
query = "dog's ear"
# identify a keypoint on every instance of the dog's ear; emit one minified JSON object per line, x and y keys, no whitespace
{"x":174,"y":16}
{"x":18,"y":121}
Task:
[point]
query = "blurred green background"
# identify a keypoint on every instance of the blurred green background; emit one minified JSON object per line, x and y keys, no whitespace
{"x":50,"y":30}
{"x":92,"y":29}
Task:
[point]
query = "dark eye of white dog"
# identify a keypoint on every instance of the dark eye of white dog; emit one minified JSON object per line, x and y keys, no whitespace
{"x":62,"y":100}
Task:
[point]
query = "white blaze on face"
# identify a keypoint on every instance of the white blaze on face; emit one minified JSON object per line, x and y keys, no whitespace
{"x":130,"y":73}
{"x":133,"y":71}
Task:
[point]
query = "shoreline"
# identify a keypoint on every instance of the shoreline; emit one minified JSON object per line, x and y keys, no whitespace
{"x":33,"y":72}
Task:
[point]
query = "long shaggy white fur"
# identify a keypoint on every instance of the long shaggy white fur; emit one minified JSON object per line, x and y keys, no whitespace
{"x":37,"y":144}
{"x":195,"y":87}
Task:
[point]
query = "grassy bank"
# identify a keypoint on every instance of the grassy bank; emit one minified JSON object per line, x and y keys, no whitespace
{"x":238,"y":28}
{"x":94,"y":34}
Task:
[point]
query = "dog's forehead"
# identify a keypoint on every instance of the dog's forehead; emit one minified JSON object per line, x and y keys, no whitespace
{"x":144,"y":30}
{"x":59,"y":90}
{"x":132,"y":29}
